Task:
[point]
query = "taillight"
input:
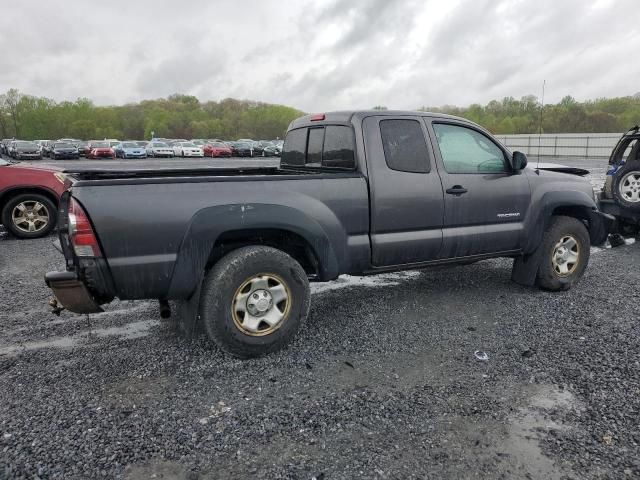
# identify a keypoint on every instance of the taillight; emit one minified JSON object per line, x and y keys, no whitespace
{"x":81,"y":234}
{"x":316,"y":117}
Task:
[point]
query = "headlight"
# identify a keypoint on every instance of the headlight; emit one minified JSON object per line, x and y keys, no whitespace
{"x":60,"y":176}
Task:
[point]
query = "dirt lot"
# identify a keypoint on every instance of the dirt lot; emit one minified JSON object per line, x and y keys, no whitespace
{"x":382,"y":382}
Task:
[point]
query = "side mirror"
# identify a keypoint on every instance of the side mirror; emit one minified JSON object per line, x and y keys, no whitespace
{"x":518,"y":161}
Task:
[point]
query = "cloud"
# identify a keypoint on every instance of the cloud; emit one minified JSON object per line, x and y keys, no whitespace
{"x":321,"y":55}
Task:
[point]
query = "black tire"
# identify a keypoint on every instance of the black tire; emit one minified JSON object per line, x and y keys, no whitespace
{"x":7,"y":211}
{"x":223,"y":283}
{"x":549,"y":277}
{"x":622,"y":179}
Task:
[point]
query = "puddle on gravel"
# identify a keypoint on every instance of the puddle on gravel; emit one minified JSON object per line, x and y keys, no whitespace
{"x":381,"y":280}
{"x":124,"y":332}
{"x":529,"y":424}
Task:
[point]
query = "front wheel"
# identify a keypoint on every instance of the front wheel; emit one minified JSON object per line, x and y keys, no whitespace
{"x":565,"y":254}
{"x":254,"y":300}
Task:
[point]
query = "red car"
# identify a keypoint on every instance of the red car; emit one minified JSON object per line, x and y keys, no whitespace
{"x":100,"y":150}
{"x":29,"y":198}
{"x":216,"y":149}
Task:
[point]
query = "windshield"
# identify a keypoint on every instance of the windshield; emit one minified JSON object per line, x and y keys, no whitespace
{"x":26,"y":145}
{"x":130,"y":145}
{"x":100,"y":145}
{"x":219,"y":145}
{"x":188,"y":145}
{"x":160,"y":144}
{"x":63,"y":145}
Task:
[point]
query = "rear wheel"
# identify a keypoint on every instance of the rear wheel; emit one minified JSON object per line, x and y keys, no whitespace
{"x":565,"y":254}
{"x":254,"y":300}
{"x":29,"y":215}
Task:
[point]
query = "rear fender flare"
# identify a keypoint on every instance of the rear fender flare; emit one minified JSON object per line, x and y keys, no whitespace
{"x":209,"y":223}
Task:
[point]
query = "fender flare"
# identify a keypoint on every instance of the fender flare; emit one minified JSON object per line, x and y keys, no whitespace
{"x":203,"y":232}
{"x":549,"y":203}
{"x":525,"y":267}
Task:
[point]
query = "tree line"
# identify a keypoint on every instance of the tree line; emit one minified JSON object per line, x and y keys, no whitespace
{"x":527,"y":115}
{"x":178,"y":116}
{"x":184,"y":116}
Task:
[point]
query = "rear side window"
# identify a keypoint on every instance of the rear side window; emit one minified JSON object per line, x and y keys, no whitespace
{"x":331,"y":146}
{"x":405,"y":148}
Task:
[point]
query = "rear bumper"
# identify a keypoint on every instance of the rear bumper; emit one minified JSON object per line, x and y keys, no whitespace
{"x":71,"y":292}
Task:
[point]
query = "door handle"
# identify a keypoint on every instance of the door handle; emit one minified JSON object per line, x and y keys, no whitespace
{"x":456,"y":190}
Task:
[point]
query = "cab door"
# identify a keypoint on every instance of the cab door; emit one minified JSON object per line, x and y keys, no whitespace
{"x":485,"y":201}
{"x":406,"y":198}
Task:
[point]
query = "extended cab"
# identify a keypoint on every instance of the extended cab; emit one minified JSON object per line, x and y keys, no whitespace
{"x":356,"y":193}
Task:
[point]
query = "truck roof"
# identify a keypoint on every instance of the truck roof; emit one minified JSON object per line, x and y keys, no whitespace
{"x":346,"y":116}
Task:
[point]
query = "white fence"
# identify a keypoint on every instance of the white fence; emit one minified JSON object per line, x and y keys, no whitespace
{"x":584,"y":145}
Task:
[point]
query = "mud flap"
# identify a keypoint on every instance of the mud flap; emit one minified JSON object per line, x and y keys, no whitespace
{"x":525,"y":268}
{"x":187,"y":321}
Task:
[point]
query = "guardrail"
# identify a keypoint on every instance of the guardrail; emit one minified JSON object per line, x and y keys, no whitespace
{"x":586,"y":145}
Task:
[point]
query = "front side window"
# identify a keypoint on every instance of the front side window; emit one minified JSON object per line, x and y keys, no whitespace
{"x":465,"y":150}
{"x":405,"y":148}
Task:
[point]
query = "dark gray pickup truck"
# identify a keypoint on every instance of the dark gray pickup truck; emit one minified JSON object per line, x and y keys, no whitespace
{"x":356,"y":193}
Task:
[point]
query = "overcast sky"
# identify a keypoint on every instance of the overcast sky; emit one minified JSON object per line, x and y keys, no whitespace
{"x":321,"y":55}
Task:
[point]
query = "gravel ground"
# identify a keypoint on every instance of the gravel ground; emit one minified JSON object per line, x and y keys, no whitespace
{"x":382,"y":382}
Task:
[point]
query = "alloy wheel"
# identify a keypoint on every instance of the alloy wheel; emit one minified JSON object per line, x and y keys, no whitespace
{"x":30,"y":216}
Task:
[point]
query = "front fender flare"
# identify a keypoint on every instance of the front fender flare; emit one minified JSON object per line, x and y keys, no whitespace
{"x":549,"y":203}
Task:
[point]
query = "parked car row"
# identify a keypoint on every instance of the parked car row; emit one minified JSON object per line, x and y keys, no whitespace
{"x":20,"y":149}
{"x":69,"y":148}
